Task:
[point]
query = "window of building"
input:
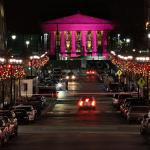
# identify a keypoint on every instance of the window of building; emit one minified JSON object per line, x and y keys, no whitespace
{"x":99,"y":42}
{"x":57,"y":39}
{"x":78,"y":42}
{"x":68,"y":41}
{"x":89,"y":41}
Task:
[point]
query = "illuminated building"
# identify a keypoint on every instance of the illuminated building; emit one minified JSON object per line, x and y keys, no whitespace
{"x":77,"y":36}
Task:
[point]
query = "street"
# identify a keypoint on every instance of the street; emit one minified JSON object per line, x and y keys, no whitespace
{"x":66,"y":128}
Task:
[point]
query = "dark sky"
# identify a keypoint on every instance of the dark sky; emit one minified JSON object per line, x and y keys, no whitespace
{"x":26,"y":15}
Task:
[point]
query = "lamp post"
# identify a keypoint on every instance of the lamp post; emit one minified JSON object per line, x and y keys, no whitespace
{"x":27,"y":43}
{"x":13,"y":37}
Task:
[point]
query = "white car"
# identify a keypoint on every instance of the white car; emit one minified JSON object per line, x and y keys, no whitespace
{"x":29,"y":109}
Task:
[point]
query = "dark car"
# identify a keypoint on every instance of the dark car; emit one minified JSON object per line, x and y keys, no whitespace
{"x":118,"y":99}
{"x":130,"y":104}
{"x":48,"y":92}
{"x":22,"y":116}
{"x":87,"y":103}
{"x":136,"y":113}
{"x":145,"y":125}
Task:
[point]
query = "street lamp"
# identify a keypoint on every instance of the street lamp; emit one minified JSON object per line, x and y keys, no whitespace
{"x":13,"y":37}
{"x":128,"y":40}
{"x":148,"y":35}
{"x":27,"y":43}
{"x":118,"y":39}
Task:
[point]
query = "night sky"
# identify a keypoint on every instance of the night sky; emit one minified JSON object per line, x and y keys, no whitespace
{"x":25,"y":16}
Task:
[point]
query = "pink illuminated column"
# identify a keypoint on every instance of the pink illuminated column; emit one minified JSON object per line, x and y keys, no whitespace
{"x":104,"y":44}
{"x":62,"y":44}
{"x":84,"y":43}
{"x":52,"y":43}
{"x":73,"y":44}
{"x":94,"y":41}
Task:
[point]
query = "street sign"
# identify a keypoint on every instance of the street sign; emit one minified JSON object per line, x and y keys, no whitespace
{"x":119,"y":73}
{"x":141,"y":82}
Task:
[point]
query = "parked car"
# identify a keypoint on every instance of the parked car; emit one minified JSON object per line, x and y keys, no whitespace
{"x":118,"y":99}
{"x":145,"y":125}
{"x":22,"y":116}
{"x":113,"y":87}
{"x":30,"y":111}
{"x":11,"y":126}
{"x":87,"y":103}
{"x":126,"y":103}
{"x":4,"y":132}
{"x":13,"y":120}
{"x":136,"y":113}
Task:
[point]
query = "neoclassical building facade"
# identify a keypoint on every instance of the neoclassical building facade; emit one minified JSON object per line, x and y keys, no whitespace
{"x":77,"y":36}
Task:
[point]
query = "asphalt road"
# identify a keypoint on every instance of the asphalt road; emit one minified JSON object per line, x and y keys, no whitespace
{"x":65,"y":128}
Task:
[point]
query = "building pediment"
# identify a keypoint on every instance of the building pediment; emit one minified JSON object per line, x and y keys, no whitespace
{"x":78,"y":18}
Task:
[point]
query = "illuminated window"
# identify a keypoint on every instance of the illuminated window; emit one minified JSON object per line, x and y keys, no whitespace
{"x":78,"y":42}
{"x":57,"y":39}
{"x":99,"y":41}
{"x":68,"y":41}
{"x":89,"y":41}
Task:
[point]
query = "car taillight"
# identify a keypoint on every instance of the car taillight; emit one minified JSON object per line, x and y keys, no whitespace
{"x":87,"y":72}
{"x":80,"y":103}
{"x":93,"y":72}
{"x":87,"y":100}
{"x":93,"y":103}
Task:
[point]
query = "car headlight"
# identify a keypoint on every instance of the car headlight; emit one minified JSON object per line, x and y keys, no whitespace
{"x":73,"y":77}
{"x":67,"y":77}
{"x":59,"y":85}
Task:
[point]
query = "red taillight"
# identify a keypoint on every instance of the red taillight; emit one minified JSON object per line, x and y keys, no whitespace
{"x":93,"y":103}
{"x":87,"y":100}
{"x":87,"y":72}
{"x":93,"y":72}
{"x":80,"y":103}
